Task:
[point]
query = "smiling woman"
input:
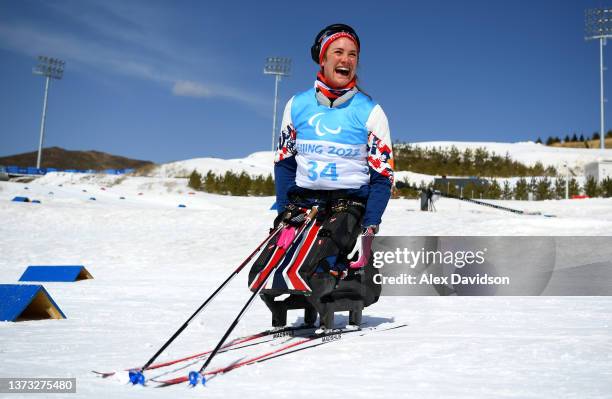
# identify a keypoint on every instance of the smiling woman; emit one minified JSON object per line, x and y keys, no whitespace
{"x":334,"y":153}
{"x":350,"y":131}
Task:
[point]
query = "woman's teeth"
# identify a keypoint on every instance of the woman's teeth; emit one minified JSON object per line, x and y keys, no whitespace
{"x":343,"y":71}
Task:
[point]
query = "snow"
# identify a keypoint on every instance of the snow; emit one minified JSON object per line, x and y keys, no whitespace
{"x":154,"y":263}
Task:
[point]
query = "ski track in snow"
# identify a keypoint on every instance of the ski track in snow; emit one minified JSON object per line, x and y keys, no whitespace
{"x":154,"y":263}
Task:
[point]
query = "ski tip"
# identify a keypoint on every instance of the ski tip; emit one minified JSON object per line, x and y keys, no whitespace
{"x":104,"y":374}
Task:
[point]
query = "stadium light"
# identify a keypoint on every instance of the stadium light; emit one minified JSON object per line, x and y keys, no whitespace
{"x":51,"y":68}
{"x":278,"y":66}
{"x":567,"y":172}
{"x":598,"y":25}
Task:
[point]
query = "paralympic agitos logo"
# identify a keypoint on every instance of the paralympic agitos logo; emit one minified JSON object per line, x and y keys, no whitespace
{"x":315,"y":121}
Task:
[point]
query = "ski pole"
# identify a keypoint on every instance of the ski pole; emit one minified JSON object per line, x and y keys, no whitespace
{"x":136,"y":376}
{"x":194,"y":376}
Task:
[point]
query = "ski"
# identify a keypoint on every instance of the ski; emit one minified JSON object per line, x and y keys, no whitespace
{"x":326,"y":338}
{"x":233,"y":345}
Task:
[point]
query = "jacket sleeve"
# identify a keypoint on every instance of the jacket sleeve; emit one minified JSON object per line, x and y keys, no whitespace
{"x":380,"y":162}
{"x":285,"y":165}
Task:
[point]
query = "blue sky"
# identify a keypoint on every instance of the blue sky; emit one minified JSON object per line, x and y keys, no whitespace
{"x":172,"y":80}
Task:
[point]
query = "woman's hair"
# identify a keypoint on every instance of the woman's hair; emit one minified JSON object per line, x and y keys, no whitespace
{"x":363,"y":91}
{"x":358,"y":86}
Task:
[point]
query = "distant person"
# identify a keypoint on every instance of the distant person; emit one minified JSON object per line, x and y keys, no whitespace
{"x":334,"y":151}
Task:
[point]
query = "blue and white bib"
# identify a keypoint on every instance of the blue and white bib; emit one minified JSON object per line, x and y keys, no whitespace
{"x":331,"y":142}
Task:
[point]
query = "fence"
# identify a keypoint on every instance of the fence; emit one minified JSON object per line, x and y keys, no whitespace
{"x":31,"y":171}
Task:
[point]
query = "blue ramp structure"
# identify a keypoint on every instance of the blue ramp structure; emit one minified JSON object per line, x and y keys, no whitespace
{"x":56,"y":273}
{"x":27,"y":302}
{"x":274,"y":207}
{"x":21,"y":199}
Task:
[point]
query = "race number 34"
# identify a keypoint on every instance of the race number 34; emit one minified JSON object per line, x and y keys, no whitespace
{"x":327,"y":172}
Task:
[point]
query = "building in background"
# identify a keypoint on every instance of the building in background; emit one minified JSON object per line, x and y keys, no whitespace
{"x":599,"y":170}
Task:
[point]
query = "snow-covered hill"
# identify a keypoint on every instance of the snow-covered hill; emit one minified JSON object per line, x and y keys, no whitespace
{"x":258,"y":163}
{"x":528,"y":153}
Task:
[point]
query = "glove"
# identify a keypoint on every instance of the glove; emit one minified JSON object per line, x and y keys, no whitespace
{"x":292,"y":215}
{"x":286,"y":237}
{"x":367,"y":236}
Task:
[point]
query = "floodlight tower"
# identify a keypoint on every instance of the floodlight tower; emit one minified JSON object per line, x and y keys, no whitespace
{"x":278,"y":66}
{"x":598,"y":25}
{"x":51,"y":68}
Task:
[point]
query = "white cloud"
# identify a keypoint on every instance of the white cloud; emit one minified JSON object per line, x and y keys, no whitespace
{"x":124,"y":47}
{"x":191,"y":89}
{"x":188,"y":88}
{"x":77,"y":52}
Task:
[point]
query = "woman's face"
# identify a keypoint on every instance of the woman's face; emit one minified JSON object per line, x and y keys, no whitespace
{"x":340,"y":62}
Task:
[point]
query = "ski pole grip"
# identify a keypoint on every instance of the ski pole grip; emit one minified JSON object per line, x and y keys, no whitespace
{"x":313,"y":213}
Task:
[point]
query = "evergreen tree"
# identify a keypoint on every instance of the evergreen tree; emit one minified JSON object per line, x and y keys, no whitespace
{"x":243,"y":184}
{"x":595,"y":136}
{"x":257,"y":186}
{"x":539,"y":140}
{"x":574,"y":187}
{"x":406,"y":190}
{"x":269,"y":188}
{"x":550,"y":171}
{"x":591,"y":188}
{"x":510,"y":166}
{"x":494,"y":190}
{"x":210,"y":183}
{"x":538,"y":169}
{"x":195,"y":180}
{"x":454,"y":161}
{"x":480,"y":156}
{"x":543,"y":189}
{"x":453,"y":189}
{"x":574,"y":138}
{"x":566,"y":139}
{"x":581,"y":139}
{"x":559,"y":188}
{"x":470,"y":190}
{"x":533,"y":186}
{"x":231,"y":183}
{"x":606,"y":187}
{"x":550,"y":140}
{"x":521,"y":189}
{"x":506,"y":191}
